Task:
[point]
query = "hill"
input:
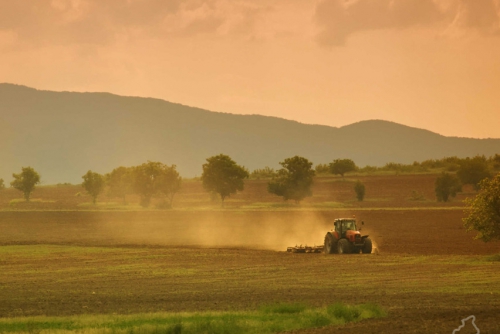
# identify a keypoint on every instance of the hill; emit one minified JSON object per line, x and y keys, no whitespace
{"x":64,"y":134}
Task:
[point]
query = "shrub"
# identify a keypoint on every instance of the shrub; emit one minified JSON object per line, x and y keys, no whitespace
{"x":359,"y":188}
{"x":447,"y":185}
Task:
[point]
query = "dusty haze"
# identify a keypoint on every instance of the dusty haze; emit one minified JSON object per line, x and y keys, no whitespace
{"x":257,"y":230}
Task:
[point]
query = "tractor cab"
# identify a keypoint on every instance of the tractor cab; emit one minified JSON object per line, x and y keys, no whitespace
{"x":342,"y":226}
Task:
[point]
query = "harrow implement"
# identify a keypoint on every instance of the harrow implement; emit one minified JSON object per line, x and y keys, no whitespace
{"x":304,"y":249}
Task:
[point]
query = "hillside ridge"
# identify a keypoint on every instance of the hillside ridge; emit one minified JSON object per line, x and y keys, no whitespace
{"x":64,"y":134}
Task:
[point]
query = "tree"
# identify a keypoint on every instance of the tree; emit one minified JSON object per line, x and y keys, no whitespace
{"x":223,"y":176}
{"x":169,"y":183}
{"x":447,"y":185}
{"x":94,"y":184}
{"x":26,"y":181}
{"x":2,"y":185}
{"x":472,"y":171}
{"x":483,"y":211}
{"x":359,"y":188}
{"x":495,"y":162}
{"x":294,"y":180}
{"x":119,"y":182}
{"x":152,"y":178}
{"x":342,"y":166}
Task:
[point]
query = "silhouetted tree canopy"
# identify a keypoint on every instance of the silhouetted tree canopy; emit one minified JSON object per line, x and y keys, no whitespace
{"x":447,"y":185}
{"x":94,"y":184}
{"x":294,"y":180}
{"x":26,"y":181}
{"x":170,"y":183}
{"x":342,"y":166}
{"x":223,"y":176}
{"x":473,"y":170}
{"x":495,"y":162}
{"x":483,"y":211}
{"x":119,"y":182}
{"x":152,"y":178}
{"x":2,"y":185}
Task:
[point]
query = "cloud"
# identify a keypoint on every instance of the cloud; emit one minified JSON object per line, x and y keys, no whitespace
{"x":481,"y":15}
{"x":340,"y":19}
{"x":64,"y":22}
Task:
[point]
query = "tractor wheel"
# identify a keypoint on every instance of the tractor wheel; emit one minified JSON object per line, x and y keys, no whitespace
{"x":343,"y":246}
{"x":330,"y":244}
{"x":367,"y":247}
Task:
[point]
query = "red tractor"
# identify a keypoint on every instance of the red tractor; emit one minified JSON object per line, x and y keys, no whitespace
{"x":346,"y":238}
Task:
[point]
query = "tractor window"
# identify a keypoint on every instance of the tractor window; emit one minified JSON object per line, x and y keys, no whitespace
{"x":337,"y":227}
{"x":349,"y":225}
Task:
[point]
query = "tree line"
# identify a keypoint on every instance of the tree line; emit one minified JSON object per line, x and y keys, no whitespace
{"x":224,"y":177}
{"x":448,"y":164}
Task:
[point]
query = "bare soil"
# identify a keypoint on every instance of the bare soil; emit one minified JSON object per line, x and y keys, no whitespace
{"x":60,"y":256}
{"x":428,"y":272}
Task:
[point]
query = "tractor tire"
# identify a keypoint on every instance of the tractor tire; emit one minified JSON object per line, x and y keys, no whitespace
{"x":330,"y":244}
{"x":343,"y":247}
{"x":367,"y":247}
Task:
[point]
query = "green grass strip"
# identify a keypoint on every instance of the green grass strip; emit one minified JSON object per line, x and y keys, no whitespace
{"x":273,"y":318}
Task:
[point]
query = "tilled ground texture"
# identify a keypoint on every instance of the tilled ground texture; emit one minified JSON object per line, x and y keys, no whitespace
{"x":428,"y":273}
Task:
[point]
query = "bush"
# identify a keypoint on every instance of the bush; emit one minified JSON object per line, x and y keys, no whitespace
{"x":447,"y":185}
{"x":359,"y":188}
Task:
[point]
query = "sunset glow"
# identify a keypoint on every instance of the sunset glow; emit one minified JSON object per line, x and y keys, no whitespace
{"x":431,"y":64}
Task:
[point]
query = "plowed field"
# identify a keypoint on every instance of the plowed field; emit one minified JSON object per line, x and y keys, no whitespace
{"x":428,"y":272}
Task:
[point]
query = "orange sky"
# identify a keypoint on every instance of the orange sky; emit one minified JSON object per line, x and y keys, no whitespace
{"x":432,"y":64}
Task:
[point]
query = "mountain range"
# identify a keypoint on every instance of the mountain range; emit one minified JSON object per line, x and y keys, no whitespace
{"x":64,"y":134}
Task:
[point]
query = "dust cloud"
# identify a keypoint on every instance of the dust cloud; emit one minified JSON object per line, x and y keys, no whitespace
{"x":273,"y":231}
